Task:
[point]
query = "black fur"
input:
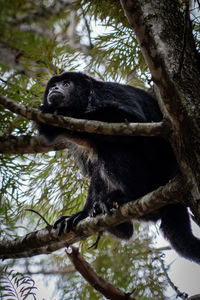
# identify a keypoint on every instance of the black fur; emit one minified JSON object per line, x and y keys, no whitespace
{"x":120,"y":168}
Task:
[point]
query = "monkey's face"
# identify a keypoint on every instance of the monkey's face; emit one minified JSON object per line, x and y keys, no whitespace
{"x":59,"y":93}
{"x":67,"y":94}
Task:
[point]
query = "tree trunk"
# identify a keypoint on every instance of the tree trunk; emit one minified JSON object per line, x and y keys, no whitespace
{"x":164,"y":33}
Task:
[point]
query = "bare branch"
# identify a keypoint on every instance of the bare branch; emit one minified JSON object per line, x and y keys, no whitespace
{"x":47,"y":241}
{"x":180,"y":294}
{"x":97,"y":127}
{"x":25,"y":144}
{"x":98,"y":283}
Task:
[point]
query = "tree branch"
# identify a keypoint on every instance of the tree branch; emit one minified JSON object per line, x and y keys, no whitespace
{"x":97,"y":127}
{"x":180,"y":294}
{"x":104,"y":287}
{"x":10,"y":144}
{"x":47,"y":240}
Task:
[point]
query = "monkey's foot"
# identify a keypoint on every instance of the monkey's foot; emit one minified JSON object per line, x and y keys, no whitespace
{"x":66,"y":223}
{"x":103,"y":208}
{"x":112,"y":202}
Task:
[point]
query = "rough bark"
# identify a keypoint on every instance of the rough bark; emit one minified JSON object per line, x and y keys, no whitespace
{"x":80,"y":125}
{"x":47,"y":240}
{"x":164,"y":33}
{"x":24,"y":144}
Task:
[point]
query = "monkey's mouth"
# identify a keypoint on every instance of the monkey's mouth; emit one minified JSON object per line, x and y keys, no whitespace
{"x":55,"y":98}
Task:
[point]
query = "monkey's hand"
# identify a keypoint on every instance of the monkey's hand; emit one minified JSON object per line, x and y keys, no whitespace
{"x":111,"y":202}
{"x":66,"y":223}
{"x":102,"y":208}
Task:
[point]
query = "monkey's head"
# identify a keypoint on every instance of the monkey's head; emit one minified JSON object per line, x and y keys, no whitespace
{"x":78,"y":95}
{"x":68,"y":94}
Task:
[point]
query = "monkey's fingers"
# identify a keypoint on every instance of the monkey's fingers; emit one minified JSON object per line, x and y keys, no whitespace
{"x":103,"y":208}
{"x":66,"y":223}
{"x":60,"y":220}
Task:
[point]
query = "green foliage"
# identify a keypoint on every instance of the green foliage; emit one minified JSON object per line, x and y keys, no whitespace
{"x":16,"y":286}
{"x":109,"y":11}
{"x":116,"y":51}
{"x":13,"y":173}
{"x":38,"y":43}
{"x":132,"y":267}
{"x":122,"y":56}
{"x":56,"y":186}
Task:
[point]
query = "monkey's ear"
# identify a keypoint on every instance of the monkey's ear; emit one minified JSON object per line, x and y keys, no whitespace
{"x":92,"y":101}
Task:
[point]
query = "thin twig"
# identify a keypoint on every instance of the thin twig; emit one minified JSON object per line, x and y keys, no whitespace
{"x":180,"y":294}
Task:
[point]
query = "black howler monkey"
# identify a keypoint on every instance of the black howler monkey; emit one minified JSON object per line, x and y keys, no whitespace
{"x":119,"y":167}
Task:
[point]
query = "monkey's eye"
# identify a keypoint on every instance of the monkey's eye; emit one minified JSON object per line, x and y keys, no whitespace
{"x":66,"y":83}
{"x":53,"y":85}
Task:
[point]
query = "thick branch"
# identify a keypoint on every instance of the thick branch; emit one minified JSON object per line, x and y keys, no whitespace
{"x":100,"y":284}
{"x":25,"y":144}
{"x":47,"y":240}
{"x":97,"y":127}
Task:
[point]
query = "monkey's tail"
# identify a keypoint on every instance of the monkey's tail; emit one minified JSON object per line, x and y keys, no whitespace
{"x":176,"y":227}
